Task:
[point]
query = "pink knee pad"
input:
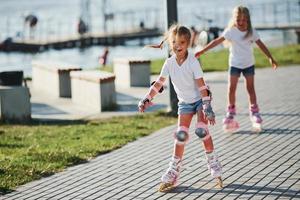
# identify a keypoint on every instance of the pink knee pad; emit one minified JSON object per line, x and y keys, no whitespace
{"x":181,"y":136}
{"x":202,"y":131}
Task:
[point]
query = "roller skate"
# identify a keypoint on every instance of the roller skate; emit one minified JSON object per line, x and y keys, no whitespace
{"x":215,"y":168}
{"x":170,"y":178}
{"x":229,"y":124}
{"x":255,"y":119}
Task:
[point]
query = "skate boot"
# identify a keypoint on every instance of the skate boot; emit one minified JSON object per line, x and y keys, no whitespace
{"x":215,"y":168}
{"x":170,"y":178}
{"x":255,"y":118}
{"x":229,"y":124}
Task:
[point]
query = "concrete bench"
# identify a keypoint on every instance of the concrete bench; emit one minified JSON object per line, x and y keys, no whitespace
{"x":94,"y":89}
{"x":53,"y":78}
{"x":132,"y":72}
{"x":15,"y":104}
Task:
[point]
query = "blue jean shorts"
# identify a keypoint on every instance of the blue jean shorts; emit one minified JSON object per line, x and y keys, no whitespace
{"x":189,"y":108}
{"x":233,"y":71}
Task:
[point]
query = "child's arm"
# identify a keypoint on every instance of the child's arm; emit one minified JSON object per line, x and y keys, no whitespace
{"x":206,"y":100}
{"x":210,"y":45}
{"x":263,"y":47}
{"x":154,"y":89}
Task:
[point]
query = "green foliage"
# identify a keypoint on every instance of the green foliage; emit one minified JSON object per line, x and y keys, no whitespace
{"x":218,"y":60}
{"x":29,"y":152}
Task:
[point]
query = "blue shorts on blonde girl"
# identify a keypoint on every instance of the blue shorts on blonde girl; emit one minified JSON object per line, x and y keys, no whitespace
{"x":189,"y":108}
{"x":234,"y":71}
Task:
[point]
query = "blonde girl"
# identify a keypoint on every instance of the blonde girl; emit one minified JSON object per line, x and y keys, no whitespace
{"x":241,"y":35}
{"x":194,"y":98}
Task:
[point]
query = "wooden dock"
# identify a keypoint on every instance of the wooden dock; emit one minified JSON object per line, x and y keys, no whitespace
{"x":89,"y":39}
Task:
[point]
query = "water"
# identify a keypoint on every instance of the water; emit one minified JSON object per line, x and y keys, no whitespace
{"x":60,"y":17}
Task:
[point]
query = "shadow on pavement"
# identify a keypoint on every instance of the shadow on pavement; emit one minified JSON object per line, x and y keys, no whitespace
{"x":241,"y":189}
{"x":44,"y":109}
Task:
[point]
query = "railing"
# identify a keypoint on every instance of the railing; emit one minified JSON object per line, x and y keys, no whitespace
{"x":262,"y":14}
{"x":278,"y":14}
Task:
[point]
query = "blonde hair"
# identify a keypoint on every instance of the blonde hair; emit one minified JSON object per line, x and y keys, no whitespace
{"x":241,"y":10}
{"x":177,"y":30}
{"x":173,"y":31}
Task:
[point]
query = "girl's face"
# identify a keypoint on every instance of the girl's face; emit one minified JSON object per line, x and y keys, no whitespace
{"x":241,"y":22}
{"x":180,"y":46}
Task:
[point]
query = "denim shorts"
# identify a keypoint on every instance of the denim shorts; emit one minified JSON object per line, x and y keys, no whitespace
{"x":233,"y":71}
{"x":189,"y":108}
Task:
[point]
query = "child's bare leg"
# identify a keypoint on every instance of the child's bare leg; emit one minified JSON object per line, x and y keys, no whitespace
{"x":250,"y":89}
{"x":233,"y":80}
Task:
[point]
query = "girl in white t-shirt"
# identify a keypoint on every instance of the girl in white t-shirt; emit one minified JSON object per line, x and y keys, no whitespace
{"x":241,"y":36}
{"x":194,"y":97}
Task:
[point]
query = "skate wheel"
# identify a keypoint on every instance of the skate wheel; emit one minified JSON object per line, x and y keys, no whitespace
{"x":219,"y":182}
{"x":256,"y":127}
{"x":226,"y":129}
{"x":231,"y":127}
{"x":165,"y":187}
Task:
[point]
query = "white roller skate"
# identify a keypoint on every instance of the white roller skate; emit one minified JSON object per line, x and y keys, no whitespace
{"x":215,"y":168}
{"x":229,"y":124}
{"x":255,"y":119}
{"x":170,"y":178}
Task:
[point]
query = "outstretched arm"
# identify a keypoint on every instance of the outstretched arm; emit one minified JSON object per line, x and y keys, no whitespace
{"x":263,"y":47}
{"x":210,"y":45}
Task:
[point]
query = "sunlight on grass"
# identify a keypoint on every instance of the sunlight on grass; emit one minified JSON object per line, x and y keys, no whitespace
{"x":29,"y":152}
{"x":218,"y":61}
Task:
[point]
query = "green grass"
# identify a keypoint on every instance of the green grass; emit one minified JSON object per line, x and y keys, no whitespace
{"x":29,"y":152}
{"x":218,"y":61}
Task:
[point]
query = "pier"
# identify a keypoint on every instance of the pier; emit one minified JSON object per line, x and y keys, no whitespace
{"x":105,"y":39}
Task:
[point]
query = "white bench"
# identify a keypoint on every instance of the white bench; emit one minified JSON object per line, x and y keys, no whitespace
{"x":94,"y":89}
{"x":15,"y":104}
{"x":132,"y":72}
{"x":53,"y":78}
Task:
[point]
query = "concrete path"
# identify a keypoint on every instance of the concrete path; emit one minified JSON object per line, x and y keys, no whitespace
{"x":256,"y":166}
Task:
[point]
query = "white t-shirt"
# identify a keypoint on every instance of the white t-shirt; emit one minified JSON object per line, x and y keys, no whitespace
{"x":241,"y":51}
{"x":183,"y":77}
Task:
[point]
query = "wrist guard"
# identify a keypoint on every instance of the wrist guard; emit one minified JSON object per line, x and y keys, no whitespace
{"x":207,"y":109}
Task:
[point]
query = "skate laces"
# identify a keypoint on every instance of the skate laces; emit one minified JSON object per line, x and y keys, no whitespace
{"x":172,"y":172}
{"x":230,"y":115}
{"x":255,"y":113}
{"x":214,"y":165}
{"x":230,"y":112}
{"x":254,"y":109}
{"x":171,"y":175}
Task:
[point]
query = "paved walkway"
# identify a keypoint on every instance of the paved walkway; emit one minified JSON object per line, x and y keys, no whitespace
{"x":256,"y":166}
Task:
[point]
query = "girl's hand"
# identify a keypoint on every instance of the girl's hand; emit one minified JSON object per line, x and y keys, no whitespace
{"x":156,"y":46}
{"x":144,"y":104}
{"x":198,"y":54}
{"x":273,"y":63}
{"x":211,"y":121}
